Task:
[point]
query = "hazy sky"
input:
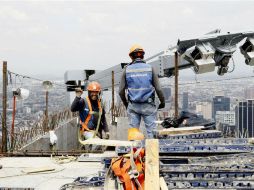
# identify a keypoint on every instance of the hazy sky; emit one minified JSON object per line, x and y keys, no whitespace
{"x":48,"y":38}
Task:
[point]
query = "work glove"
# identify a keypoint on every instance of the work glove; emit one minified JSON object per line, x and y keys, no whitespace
{"x":162,"y":105}
{"x":78,"y":92}
{"x":107,"y":135}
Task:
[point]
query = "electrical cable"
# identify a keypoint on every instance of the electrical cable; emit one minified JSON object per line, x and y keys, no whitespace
{"x":38,"y":173}
{"x":233,"y":65}
{"x":230,"y":49}
{"x":63,"y":159}
{"x":33,"y":78}
{"x":10,"y":78}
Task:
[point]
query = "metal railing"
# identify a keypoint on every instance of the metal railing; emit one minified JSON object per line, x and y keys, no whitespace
{"x":25,"y":135}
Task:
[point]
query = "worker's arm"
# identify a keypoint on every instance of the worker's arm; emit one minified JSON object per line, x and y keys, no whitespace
{"x":78,"y":103}
{"x":158,"y":89}
{"x":122,"y":88}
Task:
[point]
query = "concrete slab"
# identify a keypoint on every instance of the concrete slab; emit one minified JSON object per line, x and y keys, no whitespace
{"x":12,"y":175}
{"x":122,"y":128}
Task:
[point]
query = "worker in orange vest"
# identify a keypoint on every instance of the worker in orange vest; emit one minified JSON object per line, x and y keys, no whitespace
{"x":131,"y":171}
{"x":89,"y":109}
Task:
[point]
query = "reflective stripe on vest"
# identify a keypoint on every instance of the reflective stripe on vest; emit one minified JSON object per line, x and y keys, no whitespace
{"x":139,"y":82}
{"x":90,"y":113}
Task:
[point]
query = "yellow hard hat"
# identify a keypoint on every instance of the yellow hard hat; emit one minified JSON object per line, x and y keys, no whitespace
{"x":136,"y":48}
{"x":135,"y":134}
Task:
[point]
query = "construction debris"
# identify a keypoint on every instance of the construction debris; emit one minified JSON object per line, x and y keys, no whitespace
{"x":182,"y":130}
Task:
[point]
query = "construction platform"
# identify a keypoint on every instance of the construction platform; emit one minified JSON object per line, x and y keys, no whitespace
{"x":187,"y":158}
{"x":46,"y":173}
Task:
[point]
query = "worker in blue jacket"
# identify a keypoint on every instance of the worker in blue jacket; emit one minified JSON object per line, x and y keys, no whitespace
{"x":141,"y":83}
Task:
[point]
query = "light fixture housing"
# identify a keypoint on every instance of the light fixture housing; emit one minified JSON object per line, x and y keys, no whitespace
{"x":47,"y":85}
{"x":222,"y":57}
{"x":247,"y":49}
{"x":20,"y":93}
{"x":202,"y":58}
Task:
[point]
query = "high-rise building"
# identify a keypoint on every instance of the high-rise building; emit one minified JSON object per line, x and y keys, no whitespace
{"x":225,"y":117}
{"x":185,"y":101}
{"x":205,"y":109}
{"x":244,"y":120}
{"x":167,"y":93}
{"x":220,"y":103}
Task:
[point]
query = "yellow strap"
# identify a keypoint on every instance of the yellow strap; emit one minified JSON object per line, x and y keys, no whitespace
{"x":120,"y":169}
{"x":84,"y":127}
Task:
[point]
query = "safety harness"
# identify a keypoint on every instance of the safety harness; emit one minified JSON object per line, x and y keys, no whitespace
{"x":130,"y":172}
{"x":88,"y":118}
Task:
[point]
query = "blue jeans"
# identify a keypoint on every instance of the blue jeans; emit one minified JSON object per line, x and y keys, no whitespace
{"x":147,"y":111}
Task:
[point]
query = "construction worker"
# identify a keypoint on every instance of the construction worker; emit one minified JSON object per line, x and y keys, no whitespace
{"x":89,"y":109}
{"x":141,"y":83}
{"x":129,"y":171}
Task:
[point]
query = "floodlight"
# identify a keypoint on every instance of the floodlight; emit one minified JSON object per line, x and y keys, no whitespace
{"x":222,"y":57}
{"x":202,"y":58}
{"x":247,"y":49}
{"x":20,"y":93}
{"x":47,"y":85}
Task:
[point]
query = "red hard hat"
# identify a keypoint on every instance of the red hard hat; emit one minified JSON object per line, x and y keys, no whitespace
{"x":94,"y":86}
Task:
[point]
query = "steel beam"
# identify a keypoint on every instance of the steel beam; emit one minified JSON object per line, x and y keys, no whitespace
{"x":163,"y":62}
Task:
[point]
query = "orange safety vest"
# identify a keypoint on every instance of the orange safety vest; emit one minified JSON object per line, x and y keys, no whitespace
{"x":132,"y":180}
{"x":88,"y":118}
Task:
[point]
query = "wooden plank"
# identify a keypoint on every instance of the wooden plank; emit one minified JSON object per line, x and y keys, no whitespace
{"x":104,"y":142}
{"x":110,"y":183}
{"x":163,"y":184}
{"x":152,"y":181}
{"x":251,"y":140}
{"x":181,"y":130}
{"x":38,"y":169}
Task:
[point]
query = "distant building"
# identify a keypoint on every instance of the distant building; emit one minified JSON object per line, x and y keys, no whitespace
{"x":225,"y":117}
{"x":185,"y":101}
{"x":205,"y":109}
{"x":167,"y":93}
{"x":27,"y":110}
{"x":249,"y":93}
{"x":219,"y":93}
{"x":244,"y":119}
{"x":220,"y":103}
